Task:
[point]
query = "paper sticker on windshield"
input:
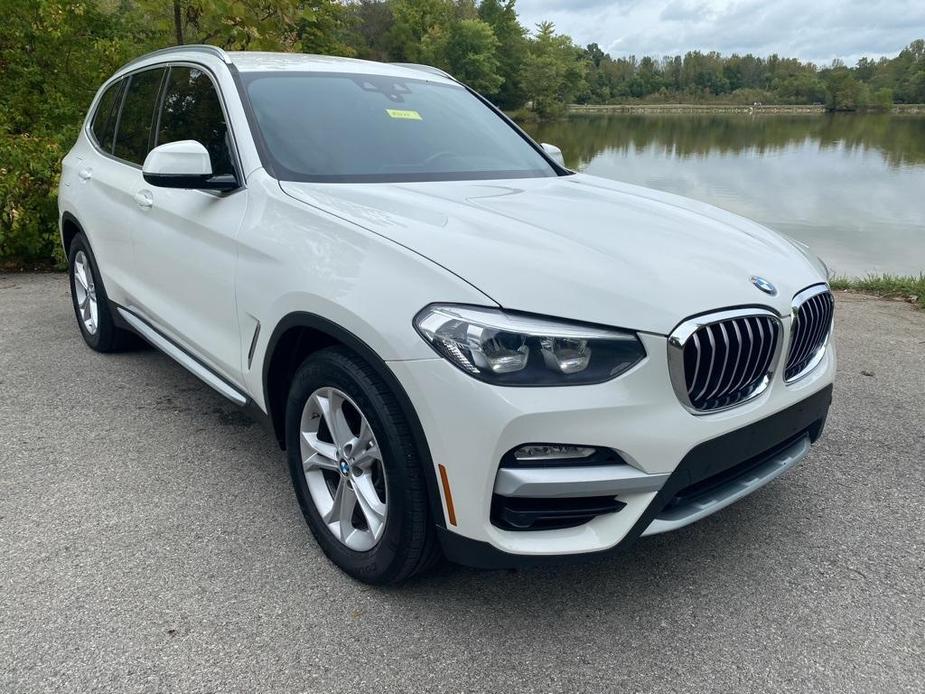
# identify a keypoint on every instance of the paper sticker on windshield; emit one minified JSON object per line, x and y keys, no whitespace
{"x":404,"y":115}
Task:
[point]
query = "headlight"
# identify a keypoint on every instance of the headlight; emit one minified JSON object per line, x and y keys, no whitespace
{"x":518,"y":350}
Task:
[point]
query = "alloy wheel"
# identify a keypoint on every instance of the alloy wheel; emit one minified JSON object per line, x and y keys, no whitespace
{"x":85,"y":293}
{"x":343,"y":468}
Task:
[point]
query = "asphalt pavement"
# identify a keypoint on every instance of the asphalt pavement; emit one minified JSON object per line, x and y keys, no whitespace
{"x":150,"y":541}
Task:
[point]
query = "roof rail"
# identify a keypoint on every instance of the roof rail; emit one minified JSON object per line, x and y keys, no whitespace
{"x":196,"y":47}
{"x":426,"y":68}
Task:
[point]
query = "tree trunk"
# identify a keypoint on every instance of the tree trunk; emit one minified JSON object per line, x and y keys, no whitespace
{"x":178,"y":21}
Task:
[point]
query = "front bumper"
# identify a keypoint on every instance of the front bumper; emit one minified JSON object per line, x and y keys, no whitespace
{"x":470,"y":425}
{"x":758,"y":453}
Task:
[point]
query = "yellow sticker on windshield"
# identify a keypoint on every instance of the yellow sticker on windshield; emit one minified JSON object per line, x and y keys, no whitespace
{"x":405,"y":115}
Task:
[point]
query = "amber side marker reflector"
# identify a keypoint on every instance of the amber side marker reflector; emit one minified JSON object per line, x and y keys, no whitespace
{"x":447,"y":495}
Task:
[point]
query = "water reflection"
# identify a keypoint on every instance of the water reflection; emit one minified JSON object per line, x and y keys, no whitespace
{"x":852,"y":186}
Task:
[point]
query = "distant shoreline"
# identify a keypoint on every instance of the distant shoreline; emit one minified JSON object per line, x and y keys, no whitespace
{"x":722,"y":108}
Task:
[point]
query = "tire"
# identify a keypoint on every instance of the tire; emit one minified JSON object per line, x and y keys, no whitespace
{"x":407,"y":542}
{"x":90,"y":301}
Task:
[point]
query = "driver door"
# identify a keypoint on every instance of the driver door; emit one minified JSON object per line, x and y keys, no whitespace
{"x":186,"y":248}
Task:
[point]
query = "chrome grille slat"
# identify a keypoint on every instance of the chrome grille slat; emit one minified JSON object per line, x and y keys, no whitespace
{"x":733,"y":381}
{"x":747,"y":371}
{"x":721,"y":360}
{"x":813,"y":310}
{"x":757,"y":367}
{"x":806,"y":342}
{"x":715,"y":393}
{"x":706,"y":382}
{"x":696,"y":339}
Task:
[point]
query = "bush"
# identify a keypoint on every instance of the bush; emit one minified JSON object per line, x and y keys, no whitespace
{"x":29,"y":175}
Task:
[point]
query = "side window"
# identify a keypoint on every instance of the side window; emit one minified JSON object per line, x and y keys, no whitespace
{"x":133,"y":133}
{"x":104,"y":120}
{"x":192,"y":111}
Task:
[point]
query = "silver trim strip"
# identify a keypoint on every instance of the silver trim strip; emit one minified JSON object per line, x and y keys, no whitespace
{"x":731,"y":492}
{"x":565,"y":482}
{"x":187,"y":48}
{"x":420,"y":67}
{"x":182,"y":358}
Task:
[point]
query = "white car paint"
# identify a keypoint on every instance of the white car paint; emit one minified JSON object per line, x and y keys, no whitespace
{"x":580,"y":244}
{"x":206,"y":269}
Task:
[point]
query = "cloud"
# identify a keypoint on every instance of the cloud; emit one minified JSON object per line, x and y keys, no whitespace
{"x":814,"y":30}
{"x":685,"y":11}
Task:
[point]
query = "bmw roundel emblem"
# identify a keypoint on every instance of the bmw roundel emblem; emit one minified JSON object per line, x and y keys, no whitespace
{"x":764,"y":285}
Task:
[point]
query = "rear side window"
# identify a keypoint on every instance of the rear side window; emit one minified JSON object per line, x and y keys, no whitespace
{"x":192,"y":111}
{"x":104,"y":120}
{"x":133,"y":133}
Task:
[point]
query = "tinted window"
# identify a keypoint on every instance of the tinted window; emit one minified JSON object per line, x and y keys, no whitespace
{"x":104,"y":120}
{"x":336,"y":127}
{"x":133,"y":134}
{"x":192,"y":111}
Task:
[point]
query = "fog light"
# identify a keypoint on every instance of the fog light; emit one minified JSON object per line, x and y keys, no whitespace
{"x":552,"y":451}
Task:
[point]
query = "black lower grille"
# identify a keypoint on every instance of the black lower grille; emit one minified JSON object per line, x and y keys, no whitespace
{"x":518,"y":513}
{"x":706,"y":487}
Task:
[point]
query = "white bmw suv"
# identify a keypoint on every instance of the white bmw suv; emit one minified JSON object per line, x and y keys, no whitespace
{"x":464,"y":347}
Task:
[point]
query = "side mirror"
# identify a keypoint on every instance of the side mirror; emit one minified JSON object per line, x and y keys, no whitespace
{"x":183,"y":164}
{"x":554,"y":152}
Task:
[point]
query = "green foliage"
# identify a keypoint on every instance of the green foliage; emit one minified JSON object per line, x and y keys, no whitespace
{"x":908,"y":287}
{"x":418,"y":26}
{"x":843,"y":91}
{"x":554,"y":71}
{"x":55,"y":53}
{"x":709,"y":77}
{"x":881,"y":100}
{"x":28,"y":206}
{"x":511,"y":51}
{"x":469,"y":53}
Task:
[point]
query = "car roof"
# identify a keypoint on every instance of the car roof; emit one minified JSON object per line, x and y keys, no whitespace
{"x":261,"y":61}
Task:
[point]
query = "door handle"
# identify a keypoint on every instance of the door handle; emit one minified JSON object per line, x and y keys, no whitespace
{"x":144,"y":199}
{"x":85,"y":174}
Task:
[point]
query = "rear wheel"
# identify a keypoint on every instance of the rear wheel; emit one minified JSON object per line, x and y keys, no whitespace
{"x":356,"y":470}
{"x":91,"y":304}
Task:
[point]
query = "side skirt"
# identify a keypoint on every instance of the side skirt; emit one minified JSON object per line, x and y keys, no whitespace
{"x":183,"y":358}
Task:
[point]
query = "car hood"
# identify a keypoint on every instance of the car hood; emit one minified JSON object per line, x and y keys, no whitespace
{"x":578,"y":246}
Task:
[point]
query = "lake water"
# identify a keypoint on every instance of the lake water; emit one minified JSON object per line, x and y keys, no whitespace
{"x":851,"y":186}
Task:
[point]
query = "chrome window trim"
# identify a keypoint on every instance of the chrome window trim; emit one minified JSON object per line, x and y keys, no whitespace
{"x":795,"y":305}
{"x":687,"y":328}
{"x":166,"y":65}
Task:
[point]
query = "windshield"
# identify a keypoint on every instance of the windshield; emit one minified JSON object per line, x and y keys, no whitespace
{"x":366,"y":128}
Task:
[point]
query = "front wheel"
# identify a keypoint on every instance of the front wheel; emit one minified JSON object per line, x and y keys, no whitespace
{"x":356,"y":469}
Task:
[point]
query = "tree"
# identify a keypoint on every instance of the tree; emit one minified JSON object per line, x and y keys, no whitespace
{"x":370,"y":23}
{"x":417,"y":24}
{"x":511,"y":51}
{"x":843,"y":92}
{"x":469,"y":53}
{"x":554,"y":71}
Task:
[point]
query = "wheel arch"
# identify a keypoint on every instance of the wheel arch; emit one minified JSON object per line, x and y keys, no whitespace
{"x":70,"y":227}
{"x":298,"y":335}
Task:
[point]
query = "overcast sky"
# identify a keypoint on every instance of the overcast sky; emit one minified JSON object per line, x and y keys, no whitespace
{"x":815,"y":30}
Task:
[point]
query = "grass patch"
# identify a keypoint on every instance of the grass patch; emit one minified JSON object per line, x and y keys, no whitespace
{"x":907,"y":287}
